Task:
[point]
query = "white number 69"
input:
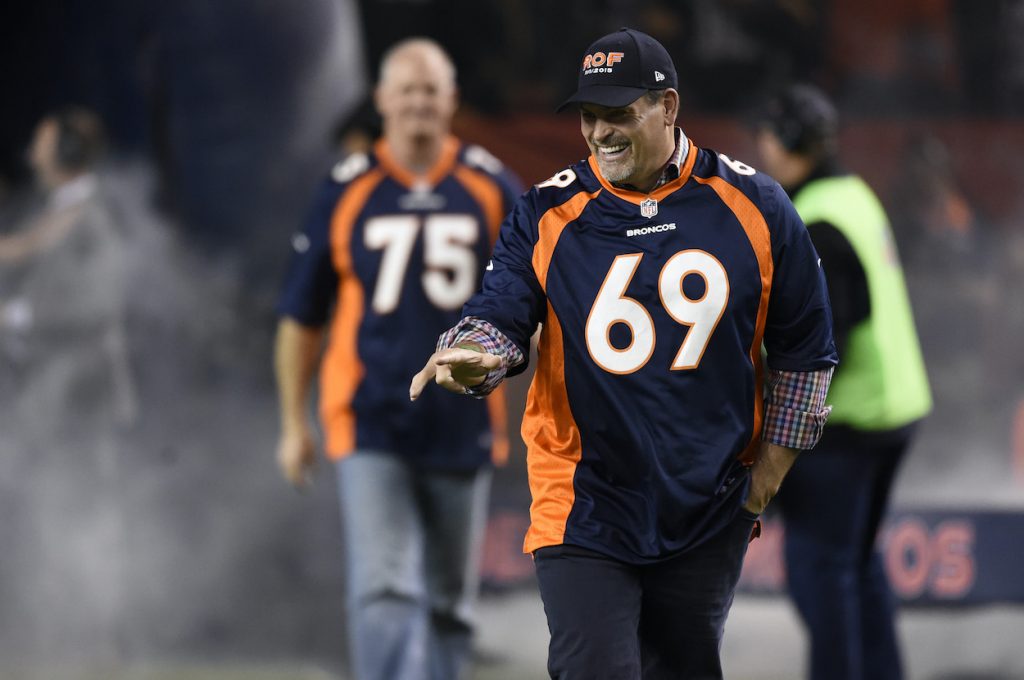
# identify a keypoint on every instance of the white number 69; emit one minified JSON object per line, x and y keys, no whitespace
{"x":612,"y":306}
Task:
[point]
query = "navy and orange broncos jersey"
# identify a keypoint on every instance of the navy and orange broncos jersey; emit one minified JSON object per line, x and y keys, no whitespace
{"x":646,"y":404}
{"x":394,"y":257}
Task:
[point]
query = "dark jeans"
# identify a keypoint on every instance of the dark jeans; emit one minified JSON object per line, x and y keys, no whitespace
{"x":615,"y":621}
{"x":833,"y":501}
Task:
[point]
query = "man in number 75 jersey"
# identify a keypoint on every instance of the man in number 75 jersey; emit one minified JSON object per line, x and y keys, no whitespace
{"x":657,"y":270}
{"x":395,"y":244}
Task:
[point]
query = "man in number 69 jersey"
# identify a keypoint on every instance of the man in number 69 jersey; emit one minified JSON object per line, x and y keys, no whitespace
{"x":657,"y":270}
{"x":395,"y":244}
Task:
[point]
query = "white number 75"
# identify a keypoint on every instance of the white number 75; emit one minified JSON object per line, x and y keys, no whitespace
{"x":451,"y":264}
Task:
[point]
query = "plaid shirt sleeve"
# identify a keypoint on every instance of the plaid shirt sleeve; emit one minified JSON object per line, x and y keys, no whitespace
{"x":491,"y":340}
{"x":795,"y":411}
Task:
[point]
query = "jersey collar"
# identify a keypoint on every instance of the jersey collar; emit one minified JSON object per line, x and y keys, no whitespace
{"x":675,"y":174}
{"x":442,"y":167}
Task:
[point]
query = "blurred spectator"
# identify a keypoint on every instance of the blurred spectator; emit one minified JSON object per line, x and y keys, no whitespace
{"x":482,"y":54}
{"x":835,"y":498}
{"x":932,"y":212}
{"x":359,"y":130}
{"x":65,"y":294}
{"x":397,"y":241}
{"x":67,"y":392}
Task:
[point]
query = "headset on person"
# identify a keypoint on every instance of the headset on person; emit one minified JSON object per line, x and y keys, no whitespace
{"x":804,"y":120}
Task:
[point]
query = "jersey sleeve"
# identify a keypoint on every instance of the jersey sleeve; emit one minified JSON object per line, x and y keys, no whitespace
{"x":510,"y":297}
{"x":511,"y":189}
{"x":311,"y":280}
{"x":507,"y":181}
{"x":798,"y":332}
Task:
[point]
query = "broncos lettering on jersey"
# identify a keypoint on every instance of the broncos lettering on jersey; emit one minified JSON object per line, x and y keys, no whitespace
{"x":395,"y":257}
{"x":646,"y":405}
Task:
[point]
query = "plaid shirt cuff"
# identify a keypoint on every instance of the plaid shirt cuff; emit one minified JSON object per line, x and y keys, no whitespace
{"x":491,"y":340}
{"x":795,"y":412}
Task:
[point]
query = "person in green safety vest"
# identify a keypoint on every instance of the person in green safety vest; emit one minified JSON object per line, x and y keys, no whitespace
{"x":835,"y":498}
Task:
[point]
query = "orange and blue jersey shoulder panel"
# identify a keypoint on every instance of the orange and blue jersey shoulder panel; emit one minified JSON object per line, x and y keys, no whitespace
{"x":797,"y":330}
{"x":311,"y":281}
{"x":491,"y":184}
{"x":512,"y":295}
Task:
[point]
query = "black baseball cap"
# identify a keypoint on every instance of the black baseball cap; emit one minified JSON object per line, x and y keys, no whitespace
{"x":620,"y":67}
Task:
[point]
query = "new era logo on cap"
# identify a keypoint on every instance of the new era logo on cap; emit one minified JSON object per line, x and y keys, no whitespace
{"x":617,"y":69}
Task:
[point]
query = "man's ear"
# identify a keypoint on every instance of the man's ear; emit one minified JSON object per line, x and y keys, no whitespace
{"x":670,"y":102}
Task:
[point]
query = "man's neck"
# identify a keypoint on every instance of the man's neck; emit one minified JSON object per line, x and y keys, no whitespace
{"x":651,"y":181}
{"x":417,"y":155}
{"x":648,"y":184}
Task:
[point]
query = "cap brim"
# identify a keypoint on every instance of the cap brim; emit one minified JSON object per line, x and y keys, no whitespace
{"x":612,"y":96}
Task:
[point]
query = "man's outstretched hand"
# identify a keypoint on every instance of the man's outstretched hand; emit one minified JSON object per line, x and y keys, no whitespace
{"x":454,"y":369}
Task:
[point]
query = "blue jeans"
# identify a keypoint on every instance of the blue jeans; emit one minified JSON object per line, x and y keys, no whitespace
{"x":661,"y":621}
{"x":833,"y":501}
{"x":412,"y":552}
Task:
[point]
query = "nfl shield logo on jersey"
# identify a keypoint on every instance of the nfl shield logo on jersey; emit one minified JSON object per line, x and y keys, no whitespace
{"x":649,"y":207}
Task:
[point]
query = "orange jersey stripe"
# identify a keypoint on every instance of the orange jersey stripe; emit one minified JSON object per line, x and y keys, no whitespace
{"x":487,"y":194}
{"x":552,"y":442}
{"x":757,"y":233}
{"x":496,"y":408}
{"x":550,"y":228}
{"x":342,"y":370}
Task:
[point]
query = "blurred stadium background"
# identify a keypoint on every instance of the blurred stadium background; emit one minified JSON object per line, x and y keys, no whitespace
{"x":201,"y":563}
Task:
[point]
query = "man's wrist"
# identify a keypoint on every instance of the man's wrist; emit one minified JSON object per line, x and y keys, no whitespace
{"x":768,"y":472}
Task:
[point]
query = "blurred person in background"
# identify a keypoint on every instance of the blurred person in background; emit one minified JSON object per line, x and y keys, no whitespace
{"x":656,"y":269}
{"x":67,"y":397}
{"x":396,"y":242}
{"x":359,"y":130}
{"x":834,"y":500}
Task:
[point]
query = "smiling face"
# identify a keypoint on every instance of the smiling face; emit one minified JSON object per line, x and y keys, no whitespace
{"x":416,"y":95}
{"x":631,"y":143}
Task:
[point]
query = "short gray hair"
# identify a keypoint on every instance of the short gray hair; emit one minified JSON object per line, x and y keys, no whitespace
{"x":413,"y":44}
{"x":654,"y":96}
